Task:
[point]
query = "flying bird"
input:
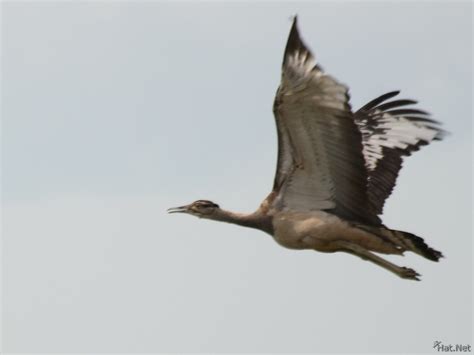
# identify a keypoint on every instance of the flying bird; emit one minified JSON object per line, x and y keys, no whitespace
{"x":335,"y":167}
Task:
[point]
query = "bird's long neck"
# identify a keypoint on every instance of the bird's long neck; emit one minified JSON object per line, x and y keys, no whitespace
{"x":251,"y":220}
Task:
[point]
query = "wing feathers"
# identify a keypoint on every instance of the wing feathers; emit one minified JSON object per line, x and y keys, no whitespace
{"x":320,"y":162}
{"x":330,"y":158}
{"x":390,"y":133}
{"x":396,"y":103}
{"x":378,"y":100}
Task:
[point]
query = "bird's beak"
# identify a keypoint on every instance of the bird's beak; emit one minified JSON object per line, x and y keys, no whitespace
{"x":181,"y":209}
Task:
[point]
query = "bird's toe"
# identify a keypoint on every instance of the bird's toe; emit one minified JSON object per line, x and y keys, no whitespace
{"x":407,"y":273}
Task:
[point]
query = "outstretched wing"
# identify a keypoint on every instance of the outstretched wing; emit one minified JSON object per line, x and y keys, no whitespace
{"x":390,"y":132}
{"x":320,"y":161}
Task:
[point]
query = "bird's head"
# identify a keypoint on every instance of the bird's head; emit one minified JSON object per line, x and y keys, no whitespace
{"x":199,"y":208}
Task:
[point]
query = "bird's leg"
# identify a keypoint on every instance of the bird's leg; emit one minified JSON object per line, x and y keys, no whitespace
{"x":354,"y":249}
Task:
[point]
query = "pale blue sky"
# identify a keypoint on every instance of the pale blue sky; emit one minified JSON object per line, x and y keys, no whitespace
{"x":113,"y":112}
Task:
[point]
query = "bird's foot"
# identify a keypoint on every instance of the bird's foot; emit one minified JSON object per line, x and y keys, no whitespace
{"x":407,"y":273}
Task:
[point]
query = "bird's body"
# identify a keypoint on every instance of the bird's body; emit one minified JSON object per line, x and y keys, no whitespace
{"x":323,"y":232}
{"x":335,"y":167}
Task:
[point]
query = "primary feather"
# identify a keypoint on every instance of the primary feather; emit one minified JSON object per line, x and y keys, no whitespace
{"x":389,"y":134}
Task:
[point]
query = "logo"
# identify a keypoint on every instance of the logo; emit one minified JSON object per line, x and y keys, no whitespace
{"x":441,"y":347}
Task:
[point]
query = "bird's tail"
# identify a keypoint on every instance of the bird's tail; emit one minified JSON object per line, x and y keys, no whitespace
{"x":406,"y":241}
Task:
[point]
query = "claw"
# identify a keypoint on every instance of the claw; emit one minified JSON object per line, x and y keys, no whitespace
{"x":407,"y":273}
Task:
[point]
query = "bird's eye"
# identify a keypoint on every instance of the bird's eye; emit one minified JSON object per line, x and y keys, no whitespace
{"x":205,"y":204}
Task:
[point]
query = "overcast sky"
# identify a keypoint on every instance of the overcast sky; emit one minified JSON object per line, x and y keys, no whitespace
{"x":113,"y":112}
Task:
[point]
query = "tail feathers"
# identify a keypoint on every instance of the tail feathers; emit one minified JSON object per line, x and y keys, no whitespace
{"x":418,"y":245}
{"x":405,"y":241}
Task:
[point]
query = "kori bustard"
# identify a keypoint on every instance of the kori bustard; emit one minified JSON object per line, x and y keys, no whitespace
{"x":335,"y":167}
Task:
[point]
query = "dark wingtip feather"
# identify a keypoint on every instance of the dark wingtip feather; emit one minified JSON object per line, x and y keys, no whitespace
{"x":296,"y":45}
{"x":294,"y":42}
{"x":407,"y":111}
{"x":441,"y":134}
{"x":395,"y":103}
{"x":295,"y":19}
{"x":379,"y":100}
{"x":422,"y":119}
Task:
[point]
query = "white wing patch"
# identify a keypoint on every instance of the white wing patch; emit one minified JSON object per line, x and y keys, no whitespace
{"x":394,"y":132}
{"x":390,"y":132}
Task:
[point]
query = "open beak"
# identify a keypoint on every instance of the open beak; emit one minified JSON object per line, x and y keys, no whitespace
{"x":181,"y":209}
